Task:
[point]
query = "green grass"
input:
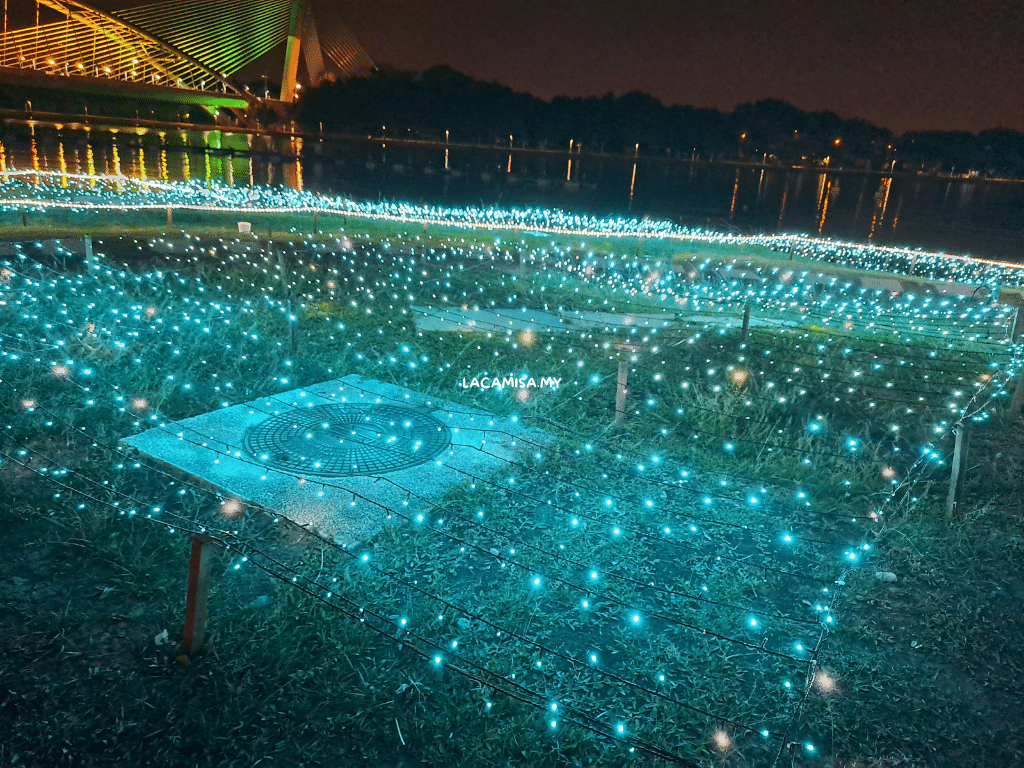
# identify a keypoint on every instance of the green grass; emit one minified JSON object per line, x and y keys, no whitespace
{"x":288,"y":677}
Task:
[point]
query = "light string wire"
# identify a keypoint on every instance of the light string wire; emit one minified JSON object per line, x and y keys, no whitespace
{"x":246,"y":549}
{"x":532,"y":220}
{"x":471,"y":521}
{"x":976,"y":411}
{"x":211,"y":302}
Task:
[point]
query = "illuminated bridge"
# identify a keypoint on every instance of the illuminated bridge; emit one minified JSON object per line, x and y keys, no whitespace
{"x":178,"y":50}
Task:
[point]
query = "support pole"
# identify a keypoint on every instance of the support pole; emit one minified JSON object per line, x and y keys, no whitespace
{"x":620,"y":394}
{"x":24,"y":218}
{"x":956,"y":480}
{"x":746,"y":319}
{"x":170,"y":217}
{"x":1018,"y":326}
{"x":1018,"y":395}
{"x":90,"y":265}
{"x":292,"y":322}
{"x":198,"y":591}
{"x":315,"y":229}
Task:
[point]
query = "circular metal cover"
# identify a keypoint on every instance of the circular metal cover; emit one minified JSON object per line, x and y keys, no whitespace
{"x":341,"y":439}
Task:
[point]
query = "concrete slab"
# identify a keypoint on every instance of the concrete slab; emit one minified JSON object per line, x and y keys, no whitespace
{"x":504,"y":321}
{"x":349,"y":509}
{"x":454,"y":318}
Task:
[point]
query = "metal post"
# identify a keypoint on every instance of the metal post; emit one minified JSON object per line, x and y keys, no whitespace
{"x":198,"y":591}
{"x":89,"y":265}
{"x":620,"y":394}
{"x":292,"y":322}
{"x":956,"y":480}
{"x":1018,"y":325}
{"x":746,"y":319}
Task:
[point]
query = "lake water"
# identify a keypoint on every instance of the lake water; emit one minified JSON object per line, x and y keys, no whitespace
{"x":976,"y":216}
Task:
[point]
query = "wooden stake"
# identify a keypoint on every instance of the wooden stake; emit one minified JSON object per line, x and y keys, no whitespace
{"x":1018,"y":396}
{"x":956,"y":480}
{"x":315,"y":230}
{"x":620,"y":394}
{"x":198,"y":591}
{"x":24,"y":218}
{"x":170,"y":217}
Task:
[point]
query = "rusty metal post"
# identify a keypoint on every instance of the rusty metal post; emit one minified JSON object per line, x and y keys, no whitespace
{"x":620,"y":394}
{"x":198,"y":591}
{"x":956,"y":480}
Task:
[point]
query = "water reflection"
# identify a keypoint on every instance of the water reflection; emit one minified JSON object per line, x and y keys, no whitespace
{"x":899,"y":209}
{"x":735,"y":190}
{"x":881,"y":204}
{"x":150,"y":154}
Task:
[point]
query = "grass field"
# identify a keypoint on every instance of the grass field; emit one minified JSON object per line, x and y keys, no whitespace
{"x":697,"y":585}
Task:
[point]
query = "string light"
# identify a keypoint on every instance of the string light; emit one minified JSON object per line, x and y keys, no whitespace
{"x":73,"y":345}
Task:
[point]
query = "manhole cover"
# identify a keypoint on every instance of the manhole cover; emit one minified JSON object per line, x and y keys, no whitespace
{"x":336,"y":440}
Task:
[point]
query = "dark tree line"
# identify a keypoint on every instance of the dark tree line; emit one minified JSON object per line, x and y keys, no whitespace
{"x":426,"y":105}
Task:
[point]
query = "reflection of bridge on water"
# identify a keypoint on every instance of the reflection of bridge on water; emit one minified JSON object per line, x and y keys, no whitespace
{"x":156,"y":51}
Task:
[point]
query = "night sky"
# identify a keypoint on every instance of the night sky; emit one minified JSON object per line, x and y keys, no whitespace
{"x":900,"y":64}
